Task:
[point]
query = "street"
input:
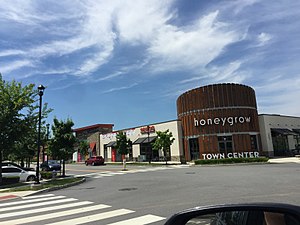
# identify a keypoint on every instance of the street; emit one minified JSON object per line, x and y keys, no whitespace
{"x":152,"y":194}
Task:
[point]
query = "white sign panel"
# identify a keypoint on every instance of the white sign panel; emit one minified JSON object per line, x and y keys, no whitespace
{"x":231,"y":155}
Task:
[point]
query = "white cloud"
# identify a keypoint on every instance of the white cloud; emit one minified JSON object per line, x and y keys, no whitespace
{"x":15,"y":65}
{"x":263,"y":38}
{"x":242,"y":4}
{"x":278,"y":95}
{"x":111,"y":76}
{"x":139,"y":21}
{"x":191,"y":47}
{"x":11,"y":52}
{"x":119,"y":88}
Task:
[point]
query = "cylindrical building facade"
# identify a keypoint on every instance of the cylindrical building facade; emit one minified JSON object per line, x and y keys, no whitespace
{"x":219,"y":121}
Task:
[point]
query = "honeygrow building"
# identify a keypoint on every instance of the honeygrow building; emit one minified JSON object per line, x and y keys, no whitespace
{"x":219,"y":121}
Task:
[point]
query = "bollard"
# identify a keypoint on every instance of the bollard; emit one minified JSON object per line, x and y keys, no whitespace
{"x":54,"y":174}
{"x":124,"y":165}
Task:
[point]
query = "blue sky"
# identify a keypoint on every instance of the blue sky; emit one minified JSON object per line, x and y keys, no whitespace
{"x":126,"y":62}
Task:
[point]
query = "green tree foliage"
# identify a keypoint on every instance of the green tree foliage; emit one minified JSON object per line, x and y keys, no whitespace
{"x":25,"y":148}
{"x":18,"y":120}
{"x":83,"y":148}
{"x":61,"y":145}
{"x":163,"y":142}
{"x":123,"y":144}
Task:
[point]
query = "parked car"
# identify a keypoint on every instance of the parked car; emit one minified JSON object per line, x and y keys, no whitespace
{"x":7,"y":163}
{"x":95,"y":160}
{"x":12,"y":171}
{"x":51,"y":165}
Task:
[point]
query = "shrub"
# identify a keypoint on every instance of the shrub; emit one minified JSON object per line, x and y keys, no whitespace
{"x":46,"y":174}
{"x":230,"y":160}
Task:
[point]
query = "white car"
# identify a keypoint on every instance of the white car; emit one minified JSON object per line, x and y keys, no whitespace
{"x":12,"y":171}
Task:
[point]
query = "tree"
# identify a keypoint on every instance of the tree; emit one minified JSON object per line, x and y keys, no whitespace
{"x":62,"y":144}
{"x":163,"y":142}
{"x":123,"y":145}
{"x":25,"y":148}
{"x":15,"y":101}
{"x":83,"y":148}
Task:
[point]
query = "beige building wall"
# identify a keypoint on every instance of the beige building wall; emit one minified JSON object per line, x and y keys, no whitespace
{"x":267,"y":122}
{"x":135,"y":133}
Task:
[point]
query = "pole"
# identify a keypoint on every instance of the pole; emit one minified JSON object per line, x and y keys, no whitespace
{"x":41,"y":92}
{"x":149,"y":149}
{"x":47,"y":141}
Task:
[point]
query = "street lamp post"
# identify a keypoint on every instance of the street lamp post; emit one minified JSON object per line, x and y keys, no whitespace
{"x":149,"y":146}
{"x":41,"y":89}
{"x":47,"y":139}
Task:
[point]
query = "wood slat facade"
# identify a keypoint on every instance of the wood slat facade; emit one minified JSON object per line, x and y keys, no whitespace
{"x":211,"y":112}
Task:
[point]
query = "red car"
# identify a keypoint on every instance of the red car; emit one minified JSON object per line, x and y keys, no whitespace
{"x":95,"y":160}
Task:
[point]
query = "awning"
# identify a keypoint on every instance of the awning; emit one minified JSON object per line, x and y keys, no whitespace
{"x":150,"y":139}
{"x":297,"y":131}
{"x":144,"y":140}
{"x":111,"y":144}
{"x":139,"y":141}
{"x":92,"y":145}
{"x":283,"y":131}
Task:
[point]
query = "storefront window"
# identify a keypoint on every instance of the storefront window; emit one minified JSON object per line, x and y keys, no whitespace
{"x":253,"y":142}
{"x":194,"y":148}
{"x":280,"y":145}
{"x":225,"y":144}
{"x":148,"y":152}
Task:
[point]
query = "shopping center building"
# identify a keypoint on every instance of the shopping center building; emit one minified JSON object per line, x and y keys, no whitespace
{"x":213,"y":122}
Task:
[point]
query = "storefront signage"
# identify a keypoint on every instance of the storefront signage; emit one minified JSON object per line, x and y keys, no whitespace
{"x":148,"y":129}
{"x":231,"y":155}
{"x":222,"y":121}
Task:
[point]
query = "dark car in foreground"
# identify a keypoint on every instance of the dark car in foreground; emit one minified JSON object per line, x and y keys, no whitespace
{"x":95,"y":160}
{"x":239,"y":214}
{"x":51,"y":165}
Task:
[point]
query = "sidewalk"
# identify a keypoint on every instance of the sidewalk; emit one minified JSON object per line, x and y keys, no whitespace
{"x":12,"y":195}
{"x":285,"y":160}
{"x":19,"y":194}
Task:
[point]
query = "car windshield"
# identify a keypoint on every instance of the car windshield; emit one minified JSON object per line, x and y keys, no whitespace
{"x":53,"y":162}
{"x":155,"y":106}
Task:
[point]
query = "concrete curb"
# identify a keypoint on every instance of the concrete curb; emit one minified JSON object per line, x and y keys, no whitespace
{"x":58,"y":187}
{"x":19,"y":194}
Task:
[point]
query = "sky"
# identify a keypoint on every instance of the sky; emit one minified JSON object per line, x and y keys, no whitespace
{"x":125,"y":62}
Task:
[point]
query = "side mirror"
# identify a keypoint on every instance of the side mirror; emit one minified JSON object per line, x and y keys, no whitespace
{"x":239,"y":214}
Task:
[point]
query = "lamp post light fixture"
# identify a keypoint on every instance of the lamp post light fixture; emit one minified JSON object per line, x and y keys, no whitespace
{"x":41,"y":89}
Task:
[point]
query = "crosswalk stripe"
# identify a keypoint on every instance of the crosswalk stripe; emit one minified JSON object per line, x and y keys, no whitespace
{"x":37,"y":204}
{"x":116,"y":173}
{"x":94,"y":217}
{"x":105,"y":175}
{"x":54,"y":215}
{"x":110,"y":173}
{"x":30,"y":201}
{"x":32,"y":211}
{"x":37,"y":196}
{"x":142,"y":220}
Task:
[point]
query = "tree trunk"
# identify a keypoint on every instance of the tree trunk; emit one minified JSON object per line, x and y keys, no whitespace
{"x":165,"y":155}
{"x":22,"y":162}
{"x":0,"y":167}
